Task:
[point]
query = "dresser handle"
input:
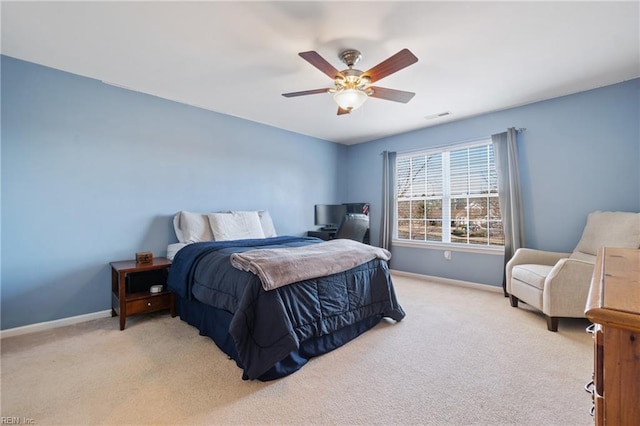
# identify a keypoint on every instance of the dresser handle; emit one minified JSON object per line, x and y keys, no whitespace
{"x":589,"y":387}
{"x":149,"y":304}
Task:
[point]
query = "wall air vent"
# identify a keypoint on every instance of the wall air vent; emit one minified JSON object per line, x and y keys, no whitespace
{"x":439,"y":115}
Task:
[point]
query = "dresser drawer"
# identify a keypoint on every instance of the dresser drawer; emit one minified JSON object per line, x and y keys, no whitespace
{"x":149,"y":304}
{"x":598,"y":403}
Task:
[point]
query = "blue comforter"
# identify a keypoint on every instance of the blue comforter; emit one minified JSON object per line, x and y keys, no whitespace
{"x":269,"y":325}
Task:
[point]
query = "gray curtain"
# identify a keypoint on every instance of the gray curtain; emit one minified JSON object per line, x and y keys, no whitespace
{"x":388,"y":198}
{"x":506,"y":156}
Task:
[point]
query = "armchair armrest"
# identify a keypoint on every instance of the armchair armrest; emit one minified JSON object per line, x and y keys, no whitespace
{"x":566,"y":288}
{"x":524,"y":256}
{"x":538,"y":257}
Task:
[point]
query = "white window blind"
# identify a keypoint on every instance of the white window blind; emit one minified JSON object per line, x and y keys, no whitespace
{"x":449,"y":196}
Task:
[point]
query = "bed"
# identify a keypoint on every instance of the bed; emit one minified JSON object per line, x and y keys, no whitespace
{"x":271,"y":333}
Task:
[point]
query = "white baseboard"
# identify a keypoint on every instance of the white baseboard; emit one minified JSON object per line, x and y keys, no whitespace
{"x":47,"y":325}
{"x":477,"y":286}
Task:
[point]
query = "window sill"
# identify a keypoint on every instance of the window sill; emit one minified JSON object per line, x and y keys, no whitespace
{"x":431,"y":245}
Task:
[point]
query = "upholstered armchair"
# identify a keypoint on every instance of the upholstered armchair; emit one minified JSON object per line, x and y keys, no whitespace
{"x":558,"y":283}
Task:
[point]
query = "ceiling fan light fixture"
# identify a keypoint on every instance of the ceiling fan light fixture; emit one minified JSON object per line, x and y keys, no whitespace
{"x":350,"y":99}
{"x":352,"y":86}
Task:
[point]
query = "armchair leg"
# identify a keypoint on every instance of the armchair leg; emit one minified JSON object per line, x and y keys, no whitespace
{"x":552,"y":323}
{"x":513,"y":300}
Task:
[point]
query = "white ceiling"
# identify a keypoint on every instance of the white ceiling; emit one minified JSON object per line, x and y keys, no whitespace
{"x":238,"y":58}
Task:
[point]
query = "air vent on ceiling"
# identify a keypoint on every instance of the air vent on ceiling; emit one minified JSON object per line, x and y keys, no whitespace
{"x":439,"y":115}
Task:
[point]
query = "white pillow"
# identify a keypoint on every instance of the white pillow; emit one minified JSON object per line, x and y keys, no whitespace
{"x":265,"y":221}
{"x":235,"y":226}
{"x":195,"y":227}
{"x":267,"y":224}
{"x":176,"y":227}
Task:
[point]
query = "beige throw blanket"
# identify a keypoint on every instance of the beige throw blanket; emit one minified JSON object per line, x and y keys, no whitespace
{"x":281,"y":266}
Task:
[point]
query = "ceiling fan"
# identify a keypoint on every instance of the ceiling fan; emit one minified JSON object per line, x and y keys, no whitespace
{"x":352,"y":86}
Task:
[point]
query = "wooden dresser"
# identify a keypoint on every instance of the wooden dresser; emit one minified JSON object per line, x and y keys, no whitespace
{"x":613,"y":306}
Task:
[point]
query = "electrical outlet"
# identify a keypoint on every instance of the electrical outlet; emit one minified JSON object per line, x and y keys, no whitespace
{"x":447,"y":255}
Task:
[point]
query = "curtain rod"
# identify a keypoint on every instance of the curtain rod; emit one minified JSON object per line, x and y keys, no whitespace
{"x":518,"y":129}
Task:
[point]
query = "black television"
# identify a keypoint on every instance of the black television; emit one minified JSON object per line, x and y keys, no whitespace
{"x":329,"y":216}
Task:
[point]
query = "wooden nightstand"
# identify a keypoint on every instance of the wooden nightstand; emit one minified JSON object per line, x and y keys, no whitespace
{"x":125,"y":303}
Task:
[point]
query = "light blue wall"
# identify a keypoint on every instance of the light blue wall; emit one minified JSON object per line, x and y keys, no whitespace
{"x":579,"y":153}
{"x":92,"y":173}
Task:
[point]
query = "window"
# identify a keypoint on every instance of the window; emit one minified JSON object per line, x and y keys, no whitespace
{"x":449,"y":196}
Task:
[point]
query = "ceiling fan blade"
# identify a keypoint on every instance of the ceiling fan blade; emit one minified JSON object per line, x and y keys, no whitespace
{"x":342,"y":111}
{"x":391,"y":94}
{"x":305,"y":92}
{"x":319,"y":62}
{"x":400,"y":60}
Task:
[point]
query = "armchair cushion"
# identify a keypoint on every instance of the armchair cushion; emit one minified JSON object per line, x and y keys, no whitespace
{"x":608,"y":229}
{"x":534,"y":275}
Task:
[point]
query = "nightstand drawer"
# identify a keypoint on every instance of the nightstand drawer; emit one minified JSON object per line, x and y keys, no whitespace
{"x":149,"y":304}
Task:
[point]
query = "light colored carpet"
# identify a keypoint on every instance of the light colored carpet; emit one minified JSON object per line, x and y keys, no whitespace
{"x":462,"y":356}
